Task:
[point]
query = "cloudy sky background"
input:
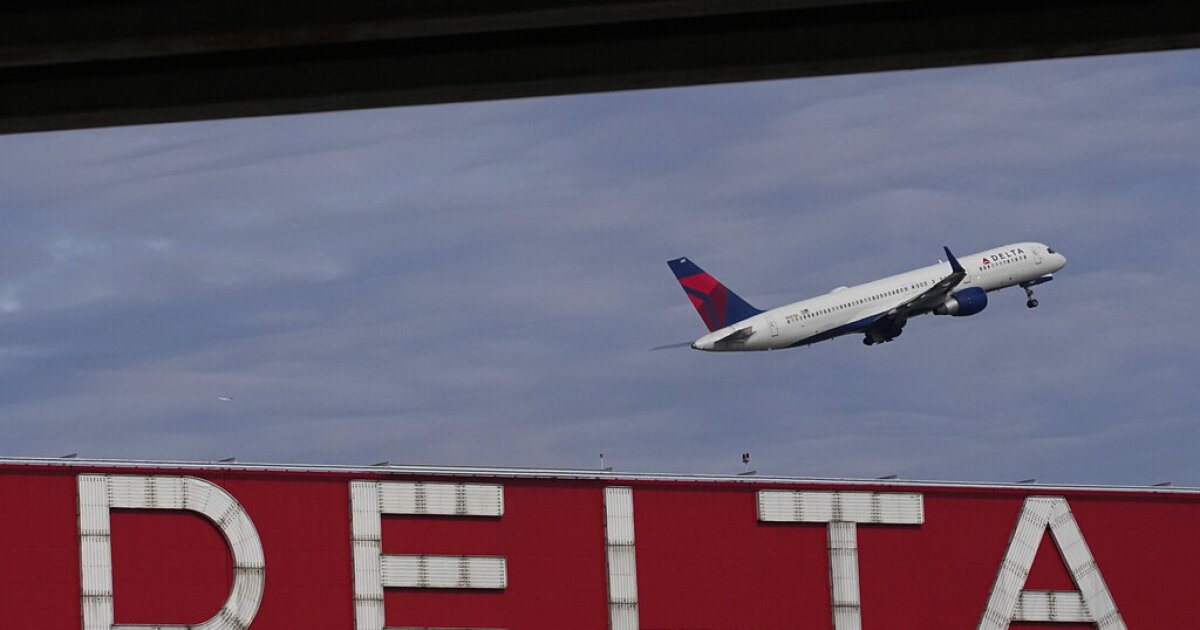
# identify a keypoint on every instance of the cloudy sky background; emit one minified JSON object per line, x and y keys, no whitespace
{"x":480,"y":283}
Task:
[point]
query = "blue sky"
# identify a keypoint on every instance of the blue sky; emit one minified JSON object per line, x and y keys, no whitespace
{"x":480,"y":283}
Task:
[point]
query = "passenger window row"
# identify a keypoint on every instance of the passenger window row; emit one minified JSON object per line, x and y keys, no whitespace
{"x":825,"y":311}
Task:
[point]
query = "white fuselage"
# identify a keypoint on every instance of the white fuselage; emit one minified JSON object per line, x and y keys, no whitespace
{"x":837,"y":313}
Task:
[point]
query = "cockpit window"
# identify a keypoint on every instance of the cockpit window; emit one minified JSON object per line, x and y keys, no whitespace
{"x":1051,"y":250}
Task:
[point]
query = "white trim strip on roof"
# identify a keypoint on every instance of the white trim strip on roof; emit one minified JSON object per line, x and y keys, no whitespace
{"x":565,"y":473}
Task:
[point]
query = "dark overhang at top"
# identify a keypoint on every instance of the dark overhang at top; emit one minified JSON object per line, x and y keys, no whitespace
{"x":72,"y":64}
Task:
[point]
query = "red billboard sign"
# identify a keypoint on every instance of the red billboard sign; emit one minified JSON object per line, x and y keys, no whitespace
{"x":103,"y":546}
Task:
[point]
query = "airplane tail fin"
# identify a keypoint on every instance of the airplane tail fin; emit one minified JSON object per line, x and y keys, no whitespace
{"x":718,"y":306}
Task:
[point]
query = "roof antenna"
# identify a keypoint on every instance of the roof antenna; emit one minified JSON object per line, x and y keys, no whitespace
{"x":604,"y":468}
{"x":746,"y":463}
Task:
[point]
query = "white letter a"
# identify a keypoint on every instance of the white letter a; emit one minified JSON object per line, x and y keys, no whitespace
{"x":1092,"y":603}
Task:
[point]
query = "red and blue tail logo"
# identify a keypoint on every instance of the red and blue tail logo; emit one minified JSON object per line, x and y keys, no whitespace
{"x":718,"y":306}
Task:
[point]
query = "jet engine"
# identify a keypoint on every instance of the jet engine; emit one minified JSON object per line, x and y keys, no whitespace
{"x":964,"y":303}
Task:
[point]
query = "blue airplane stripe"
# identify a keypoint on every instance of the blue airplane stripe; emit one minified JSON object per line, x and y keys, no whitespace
{"x":860,"y":325}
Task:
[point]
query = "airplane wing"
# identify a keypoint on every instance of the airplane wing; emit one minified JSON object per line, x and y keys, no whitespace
{"x":932,"y":297}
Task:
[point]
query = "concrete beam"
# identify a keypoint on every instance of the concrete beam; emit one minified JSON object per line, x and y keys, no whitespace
{"x":88,"y":64}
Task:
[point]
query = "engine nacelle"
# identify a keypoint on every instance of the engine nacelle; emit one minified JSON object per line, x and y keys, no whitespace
{"x":964,"y":303}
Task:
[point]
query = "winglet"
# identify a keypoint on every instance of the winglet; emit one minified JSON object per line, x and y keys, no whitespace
{"x":954,"y":266}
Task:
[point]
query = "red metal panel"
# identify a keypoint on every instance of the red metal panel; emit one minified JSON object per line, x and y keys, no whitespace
{"x":168,"y":567}
{"x":39,"y":551}
{"x":553,"y":537}
{"x":1149,"y":552}
{"x":704,"y":561}
{"x":938,"y":574}
{"x":304,"y":524}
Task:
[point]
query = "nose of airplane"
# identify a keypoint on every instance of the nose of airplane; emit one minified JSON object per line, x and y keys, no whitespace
{"x":1057,"y":260}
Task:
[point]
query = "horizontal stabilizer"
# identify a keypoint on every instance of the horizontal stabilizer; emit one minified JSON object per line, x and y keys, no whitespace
{"x":671,"y":346}
{"x":740,"y":334}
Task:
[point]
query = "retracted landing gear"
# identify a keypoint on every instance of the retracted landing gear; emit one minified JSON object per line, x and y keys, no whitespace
{"x":1030,"y":302}
{"x":883,"y":333}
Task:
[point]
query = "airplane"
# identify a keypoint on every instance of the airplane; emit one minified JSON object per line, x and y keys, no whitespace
{"x":877,"y":310}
